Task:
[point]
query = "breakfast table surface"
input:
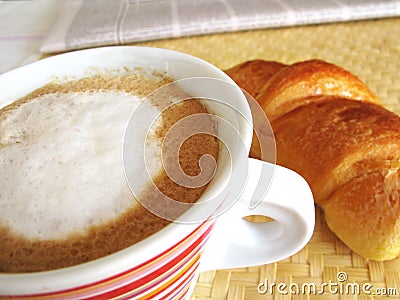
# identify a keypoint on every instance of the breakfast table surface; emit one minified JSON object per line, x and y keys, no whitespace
{"x":370,"y":49}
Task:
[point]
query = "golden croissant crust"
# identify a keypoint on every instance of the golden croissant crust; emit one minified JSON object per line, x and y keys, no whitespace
{"x":330,"y":128}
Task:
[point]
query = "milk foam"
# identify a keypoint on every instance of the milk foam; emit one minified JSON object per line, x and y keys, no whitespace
{"x":61,"y":163}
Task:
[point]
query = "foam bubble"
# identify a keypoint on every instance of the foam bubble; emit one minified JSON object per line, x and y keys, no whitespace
{"x":61,"y":164}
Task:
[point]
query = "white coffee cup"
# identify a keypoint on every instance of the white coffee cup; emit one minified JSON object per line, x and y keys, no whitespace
{"x":165,"y":264}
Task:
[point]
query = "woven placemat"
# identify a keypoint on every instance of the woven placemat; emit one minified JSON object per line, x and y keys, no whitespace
{"x":371,"y":51}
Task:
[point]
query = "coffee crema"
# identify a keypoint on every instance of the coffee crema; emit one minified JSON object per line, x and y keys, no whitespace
{"x":64,"y":198}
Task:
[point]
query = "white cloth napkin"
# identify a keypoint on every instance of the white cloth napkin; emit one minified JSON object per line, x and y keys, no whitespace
{"x":23,"y":27}
{"x":87,"y":23}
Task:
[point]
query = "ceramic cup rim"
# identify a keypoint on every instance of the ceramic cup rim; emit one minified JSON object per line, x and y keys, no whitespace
{"x":115,"y":263}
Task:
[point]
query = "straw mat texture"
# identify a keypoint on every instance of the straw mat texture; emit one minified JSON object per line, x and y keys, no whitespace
{"x":371,"y":51}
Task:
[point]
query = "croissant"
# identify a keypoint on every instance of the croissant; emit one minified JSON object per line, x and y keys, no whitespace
{"x":330,"y":128}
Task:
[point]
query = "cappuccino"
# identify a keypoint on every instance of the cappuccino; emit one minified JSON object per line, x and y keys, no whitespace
{"x":64,"y":198}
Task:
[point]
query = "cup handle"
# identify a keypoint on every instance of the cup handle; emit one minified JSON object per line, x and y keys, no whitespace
{"x":236,"y":242}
